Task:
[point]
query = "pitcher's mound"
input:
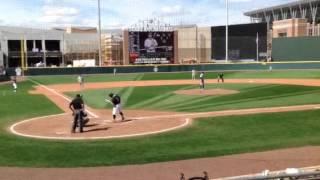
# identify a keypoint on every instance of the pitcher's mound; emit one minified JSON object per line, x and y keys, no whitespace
{"x":207,"y":92}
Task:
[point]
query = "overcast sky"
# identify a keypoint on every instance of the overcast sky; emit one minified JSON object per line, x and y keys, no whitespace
{"x":123,"y":13}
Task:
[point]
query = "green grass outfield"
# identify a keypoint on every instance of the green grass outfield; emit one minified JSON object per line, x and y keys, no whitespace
{"x":209,"y":137}
{"x":164,"y":98}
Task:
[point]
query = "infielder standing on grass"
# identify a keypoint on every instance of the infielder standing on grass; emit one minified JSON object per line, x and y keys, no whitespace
{"x":116,"y":102}
{"x":220,"y":77}
{"x":193,"y":74}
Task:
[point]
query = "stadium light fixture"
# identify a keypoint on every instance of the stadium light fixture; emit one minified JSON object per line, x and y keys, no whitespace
{"x":227,"y":30}
{"x":99,"y":33}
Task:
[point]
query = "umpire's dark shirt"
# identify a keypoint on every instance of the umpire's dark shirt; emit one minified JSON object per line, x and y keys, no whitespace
{"x":77,"y":103}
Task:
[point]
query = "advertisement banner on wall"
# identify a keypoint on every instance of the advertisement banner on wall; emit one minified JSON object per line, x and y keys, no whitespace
{"x":151,"y":47}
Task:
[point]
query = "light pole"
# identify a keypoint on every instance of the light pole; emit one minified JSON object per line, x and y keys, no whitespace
{"x":197,"y":60}
{"x":257,"y":43}
{"x":99,"y":23}
{"x":227,"y":30}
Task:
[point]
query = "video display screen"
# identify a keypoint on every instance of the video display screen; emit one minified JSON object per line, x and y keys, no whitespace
{"x":151,"y":47}
{"x":243,"y":40}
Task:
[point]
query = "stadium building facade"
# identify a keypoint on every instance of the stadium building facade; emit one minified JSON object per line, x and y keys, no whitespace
{"x":299,"y":18}
{"x":293,"y":30}
{"x":28,"y":47}
{"x":174,"y":44}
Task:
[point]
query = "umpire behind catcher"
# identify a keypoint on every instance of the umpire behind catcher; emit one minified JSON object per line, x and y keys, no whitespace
{"x":77,"y":108}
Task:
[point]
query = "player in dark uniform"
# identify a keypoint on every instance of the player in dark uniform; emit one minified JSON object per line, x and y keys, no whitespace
{"x":116,"y":101}
{"x":220,"y":77}
{"x":202,"y":80}
{"x":77,"y":108}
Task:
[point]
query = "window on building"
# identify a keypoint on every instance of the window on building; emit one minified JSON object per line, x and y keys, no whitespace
{"x":14,"y":45}
{"x":284,"y":34}
{"x":310,"y":32}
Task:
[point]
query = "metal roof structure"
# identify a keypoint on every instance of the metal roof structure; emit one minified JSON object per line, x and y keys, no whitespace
{"x":306,"y":9}
{"x":10,"y":32}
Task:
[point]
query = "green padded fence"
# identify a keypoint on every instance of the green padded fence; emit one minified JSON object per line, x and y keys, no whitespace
{"x":296,"y":49}
{"x":4,"y":78}
{"x":170,"y":68}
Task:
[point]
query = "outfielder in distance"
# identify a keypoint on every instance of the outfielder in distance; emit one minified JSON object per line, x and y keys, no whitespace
{"x":81,"y":81}
{"x":116,"y":102}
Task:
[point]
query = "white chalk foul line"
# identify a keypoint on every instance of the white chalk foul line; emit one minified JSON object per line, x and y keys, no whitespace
{"x":231,"y":112}
{"x":12,"y":129}
{"x":310,"y":168}
{"x":223,"y":112}
{"x":60,"y":95}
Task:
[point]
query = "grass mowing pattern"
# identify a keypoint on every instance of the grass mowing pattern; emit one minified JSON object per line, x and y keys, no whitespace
{"x":22,"y":105}
{"x":237,"y":74}
{"x":96,"y":98}
{"x":250,"y":96}
{"x":206,"y":138}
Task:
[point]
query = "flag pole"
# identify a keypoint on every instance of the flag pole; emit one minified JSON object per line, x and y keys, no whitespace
{"x":99,"y":24}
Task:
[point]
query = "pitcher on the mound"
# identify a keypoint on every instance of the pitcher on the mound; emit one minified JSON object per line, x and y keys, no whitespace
{"x":202,"y":80}
{"x":116,"y":101}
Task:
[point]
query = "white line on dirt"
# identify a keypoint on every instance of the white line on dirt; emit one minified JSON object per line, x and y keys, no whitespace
{"x":12,"y":129}
{"x":60,"y":95}
{"x":169,"y":116}
{"x":220,"y":112}
{"x":311,"y":168}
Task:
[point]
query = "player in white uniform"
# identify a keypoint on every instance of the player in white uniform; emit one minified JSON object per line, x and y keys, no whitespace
{"x":14,"y":85}
{"x":193,"y":73}
{"x":81,"y":81}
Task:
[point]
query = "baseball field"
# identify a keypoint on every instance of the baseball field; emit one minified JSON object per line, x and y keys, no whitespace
{"x":168,"y":118}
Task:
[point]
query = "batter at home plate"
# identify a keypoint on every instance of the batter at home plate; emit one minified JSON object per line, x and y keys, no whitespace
{"x":116,"y":102}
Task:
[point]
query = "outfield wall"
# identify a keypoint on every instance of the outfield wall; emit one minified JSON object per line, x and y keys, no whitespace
{"x":170,"y":68}
{"x":296,"y":49}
